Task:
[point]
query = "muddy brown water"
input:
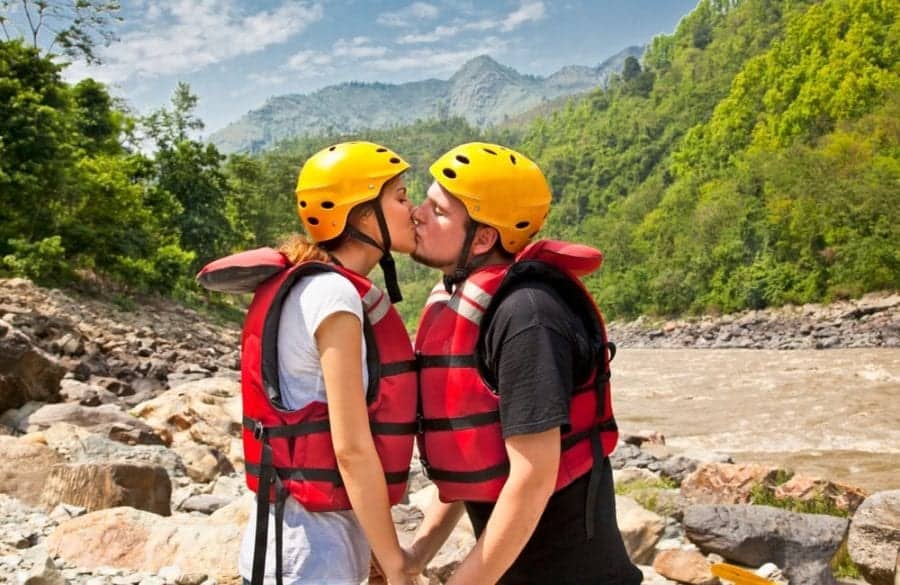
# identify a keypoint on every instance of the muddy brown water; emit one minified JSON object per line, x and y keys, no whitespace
{"x":827,"y":413}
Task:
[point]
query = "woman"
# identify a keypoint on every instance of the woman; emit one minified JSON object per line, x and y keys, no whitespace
{"x":328,"y":379}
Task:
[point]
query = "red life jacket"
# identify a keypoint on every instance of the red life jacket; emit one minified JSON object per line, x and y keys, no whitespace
{"x":461,"y":443}
{"x":300,"y":458}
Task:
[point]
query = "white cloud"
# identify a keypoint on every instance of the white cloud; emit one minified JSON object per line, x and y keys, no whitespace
{"x":310,"y":63}
{"x":267,"y":79}
{"x":303,"y":61}
{"x":358,"y":48}
{"x":409,"y":16}
{"x":178,"y":36}
{"x":447,"y":31}
{"x":436,"y":60}
{"x":528,"y":11}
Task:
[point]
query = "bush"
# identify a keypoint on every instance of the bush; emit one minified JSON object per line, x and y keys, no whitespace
{"x":43,"y":262}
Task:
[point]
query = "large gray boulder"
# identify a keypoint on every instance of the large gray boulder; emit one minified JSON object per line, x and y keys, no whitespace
{"x":874,"y":539}
{"x":802,"y":544}
{"x":26,"y":371}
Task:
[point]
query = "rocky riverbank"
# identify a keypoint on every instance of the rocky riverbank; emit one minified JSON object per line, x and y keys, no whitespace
{"x":872,"y":321}
{"x":143,"y":406}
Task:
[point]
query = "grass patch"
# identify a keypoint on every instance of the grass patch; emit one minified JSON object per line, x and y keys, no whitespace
{"x":842,"y":566}
{"x":648,"y":493}
{"x":661,"y":483}
{"x":763,"y":495}
{"x":123,"y":303}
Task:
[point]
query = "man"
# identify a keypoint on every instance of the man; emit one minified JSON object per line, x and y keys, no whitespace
{"x":515,"y":412}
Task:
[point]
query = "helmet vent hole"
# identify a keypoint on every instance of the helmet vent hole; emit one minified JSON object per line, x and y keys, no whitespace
{"x":522,"y":225}
{"x":312,"y":221}
{"x":328,"y":205}
{"x":449,"y":173}
{"x":332,"y":148}
{"x":395,"y":160}
{"x":381,"y":149}
{"x":489,"y":151}
{"x":303,"y":204}
{"x":512,"y":159}
{"x":464,"y":160}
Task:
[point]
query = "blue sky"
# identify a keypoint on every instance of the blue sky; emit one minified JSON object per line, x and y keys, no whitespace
{"x":236,"y":54}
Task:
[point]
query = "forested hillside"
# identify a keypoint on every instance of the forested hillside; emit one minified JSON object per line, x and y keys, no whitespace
{"x":752,"y":162}
{"x":752,"y":158}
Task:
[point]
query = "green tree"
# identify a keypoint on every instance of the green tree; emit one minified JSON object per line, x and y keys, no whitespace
{"x":77,"y":27}
{"x":35,"y":134}
{"x":192,"y":173}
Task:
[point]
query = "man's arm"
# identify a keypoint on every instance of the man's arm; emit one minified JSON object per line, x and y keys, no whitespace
{"x":533,"y":467}
{"x":440,"y":520}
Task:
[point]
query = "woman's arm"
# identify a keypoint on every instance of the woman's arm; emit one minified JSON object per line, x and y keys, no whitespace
{"x":339,"y":338}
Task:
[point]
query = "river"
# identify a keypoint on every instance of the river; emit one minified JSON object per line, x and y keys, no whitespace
{"x":826,"y":413}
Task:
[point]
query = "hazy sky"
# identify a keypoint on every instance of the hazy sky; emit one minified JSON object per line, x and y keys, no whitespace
{"x":236,"y":54}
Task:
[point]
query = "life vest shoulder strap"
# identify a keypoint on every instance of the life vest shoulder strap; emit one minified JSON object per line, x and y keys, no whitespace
{"x":578,"y":259}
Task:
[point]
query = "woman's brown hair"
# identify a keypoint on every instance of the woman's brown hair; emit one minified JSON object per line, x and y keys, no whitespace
{"x":298,"y":248}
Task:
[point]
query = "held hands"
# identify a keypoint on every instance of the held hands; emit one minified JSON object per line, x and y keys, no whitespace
{"x":414,"y":561}
{"x":406,"y":574}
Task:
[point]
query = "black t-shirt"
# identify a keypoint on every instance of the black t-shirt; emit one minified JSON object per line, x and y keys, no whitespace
{"x":535,"y":350}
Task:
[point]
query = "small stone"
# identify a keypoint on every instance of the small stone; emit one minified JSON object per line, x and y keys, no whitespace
{"x":191,"y":579}
{"x":44,"y":572}
{"x":63,"y":512}
{"x":17,"y":540}
{"x":169,"y":573}
{"x":128,"y":579}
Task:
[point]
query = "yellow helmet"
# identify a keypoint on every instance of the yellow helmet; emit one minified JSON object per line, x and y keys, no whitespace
{"x":337,"y":178}
{"x":499,"y":187}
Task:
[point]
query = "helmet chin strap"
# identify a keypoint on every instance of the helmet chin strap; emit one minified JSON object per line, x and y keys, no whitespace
{"x":388,"y":267}
{"x":464,"y":266}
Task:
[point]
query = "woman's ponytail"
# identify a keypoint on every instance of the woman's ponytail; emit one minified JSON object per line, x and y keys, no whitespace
{"x":298,"y":249}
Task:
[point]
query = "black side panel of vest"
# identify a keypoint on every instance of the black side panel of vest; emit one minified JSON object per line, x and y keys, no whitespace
{"x":373,"y":359}
{"x":569,"y":291}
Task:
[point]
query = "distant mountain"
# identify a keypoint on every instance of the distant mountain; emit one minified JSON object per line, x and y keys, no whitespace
{"x":483,"y":91}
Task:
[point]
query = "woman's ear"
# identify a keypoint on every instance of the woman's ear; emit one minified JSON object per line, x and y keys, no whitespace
{"x":484,"y":240}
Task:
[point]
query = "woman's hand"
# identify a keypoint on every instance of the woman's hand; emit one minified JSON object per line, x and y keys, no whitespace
{"x":407,"y":574}
{"x":404,"y":579}
{"x":415,"y":560}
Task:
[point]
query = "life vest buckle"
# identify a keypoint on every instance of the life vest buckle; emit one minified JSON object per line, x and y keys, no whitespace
{"x":258,"y":431}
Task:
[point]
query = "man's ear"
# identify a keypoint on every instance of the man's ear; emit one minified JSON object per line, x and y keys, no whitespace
{"x":484,"y":240}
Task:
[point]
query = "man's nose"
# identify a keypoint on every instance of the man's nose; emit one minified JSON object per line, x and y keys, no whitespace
{"x":417,"y":213}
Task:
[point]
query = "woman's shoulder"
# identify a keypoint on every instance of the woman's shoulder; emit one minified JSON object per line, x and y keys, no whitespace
{"x":328,"y":289}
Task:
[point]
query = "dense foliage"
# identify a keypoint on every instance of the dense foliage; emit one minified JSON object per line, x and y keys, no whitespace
{"x":753,"y":161}
{"x":751,"y":158}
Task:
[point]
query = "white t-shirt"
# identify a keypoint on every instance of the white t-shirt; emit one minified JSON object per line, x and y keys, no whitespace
{"x":325,"y":548}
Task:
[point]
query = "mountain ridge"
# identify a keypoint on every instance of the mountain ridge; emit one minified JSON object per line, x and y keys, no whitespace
{"x":482,"y":91}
